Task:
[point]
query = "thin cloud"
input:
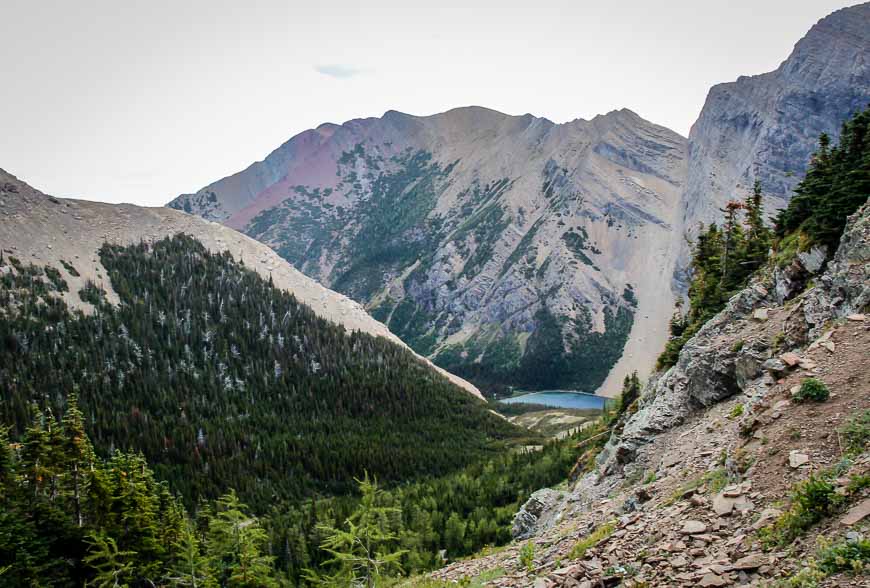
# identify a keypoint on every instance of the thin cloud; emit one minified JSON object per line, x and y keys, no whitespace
{"x":338,"y":70}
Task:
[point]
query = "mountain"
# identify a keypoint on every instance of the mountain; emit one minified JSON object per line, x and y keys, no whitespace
{"x":747,"y":462}
{"x":44,"y":230}
{"x":218,"y":374}
{"x":511,"y":250}
{"x":766,"y":127}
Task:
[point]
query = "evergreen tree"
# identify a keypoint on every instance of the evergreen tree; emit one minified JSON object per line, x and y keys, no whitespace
{"x":365,"y":549}
{"x":235,"y":546}
{"x":757,"y":233}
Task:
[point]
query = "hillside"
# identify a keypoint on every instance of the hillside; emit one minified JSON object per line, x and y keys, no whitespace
{"x":493,"y":244}
{"x":44,"y":230}
{"x":220,"y":377}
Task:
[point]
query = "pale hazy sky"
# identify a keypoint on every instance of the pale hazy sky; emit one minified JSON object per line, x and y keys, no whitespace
{"x":140,"y":100}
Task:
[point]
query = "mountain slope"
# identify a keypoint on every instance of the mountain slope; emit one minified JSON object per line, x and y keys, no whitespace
{"x":511,"y":250}
{"x":766,"y":127}
{"x":221,"y":378}
{"x":723,"y":473}
{"x":44,"y":230}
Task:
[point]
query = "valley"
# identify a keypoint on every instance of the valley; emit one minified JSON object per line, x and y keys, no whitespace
{"x":464,"y":349}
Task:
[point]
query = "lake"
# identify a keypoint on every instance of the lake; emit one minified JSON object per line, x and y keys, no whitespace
{"x":559,"y":399}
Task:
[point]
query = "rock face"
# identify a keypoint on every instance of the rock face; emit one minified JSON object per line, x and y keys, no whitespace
{"x":711,"y":367}
{"x":509,"y":249}
{"x":44,"y":230}
{"x":527,"y":519}
{"x":766,"y":127}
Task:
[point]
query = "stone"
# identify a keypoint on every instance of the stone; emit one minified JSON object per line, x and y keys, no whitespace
{"x":790,"y":359}
{"x":713,"y":581}
{"x":768,"y":515}
{"x":781,"y":405}
{"x":857,"y":513}
{"x":750,"y":562}
{"x":723,"y":505}
{"x":773,"y":365}
{"x":859,"y":318}
{"x":796,"y":459}
{"x":760,"y":314}
{"x":814,"y":259}
{"x":830,"y":346}
{"x":691,"y":527}
{"x":526,"y":520}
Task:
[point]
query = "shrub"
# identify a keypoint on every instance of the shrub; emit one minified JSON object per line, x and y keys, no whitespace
{"x":848,"y":556}
{"x":812,"y":389}
{"x":812,"y":500}
{"x":527,"y":556}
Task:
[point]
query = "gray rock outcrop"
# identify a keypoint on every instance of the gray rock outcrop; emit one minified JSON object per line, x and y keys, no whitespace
{"x":711,"y":367}
{"x":528,"y":518}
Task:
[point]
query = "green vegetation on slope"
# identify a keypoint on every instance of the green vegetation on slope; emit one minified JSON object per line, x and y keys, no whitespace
{"x":224,"y":381}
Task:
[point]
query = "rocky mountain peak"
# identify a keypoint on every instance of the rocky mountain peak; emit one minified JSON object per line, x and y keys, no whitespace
{"x":488,"y":242}
{"x":766,"y":126}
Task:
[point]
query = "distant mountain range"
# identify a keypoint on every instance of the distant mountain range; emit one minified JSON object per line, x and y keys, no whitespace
{"x":518,"y":252}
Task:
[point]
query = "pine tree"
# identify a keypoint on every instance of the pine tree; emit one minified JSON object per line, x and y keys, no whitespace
{"x":190,"y":567}
{"x":757,"y":233}
{"x":113,"y":567}
{"x":234,"y":544}
{"x":365,"y":550}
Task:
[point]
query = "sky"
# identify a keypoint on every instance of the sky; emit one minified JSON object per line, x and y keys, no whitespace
{"x":141,"y":100}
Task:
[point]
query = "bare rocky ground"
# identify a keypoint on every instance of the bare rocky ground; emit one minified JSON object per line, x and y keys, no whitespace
{"x":672,"y":527}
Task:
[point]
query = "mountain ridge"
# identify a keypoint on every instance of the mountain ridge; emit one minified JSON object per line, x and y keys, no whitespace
{"x":630,"y":168}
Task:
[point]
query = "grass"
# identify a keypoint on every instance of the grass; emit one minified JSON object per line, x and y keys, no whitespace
{"x":811,"y":501}
{"x":716,"y":479}
{"x":831,"y":558}
{"x":600,"y":533}
{"x":856,"y":433}
{"x":736,"y":412}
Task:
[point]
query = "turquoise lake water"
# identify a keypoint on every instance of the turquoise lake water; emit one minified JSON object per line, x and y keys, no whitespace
{"x":559,"y":399}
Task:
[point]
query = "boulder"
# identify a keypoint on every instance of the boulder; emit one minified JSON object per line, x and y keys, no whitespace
{"x":857,"y":513}
{"x":751,"y":562}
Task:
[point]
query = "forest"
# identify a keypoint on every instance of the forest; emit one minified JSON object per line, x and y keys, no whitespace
{"x":223,"y":381}
{"x":215,"y":380}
